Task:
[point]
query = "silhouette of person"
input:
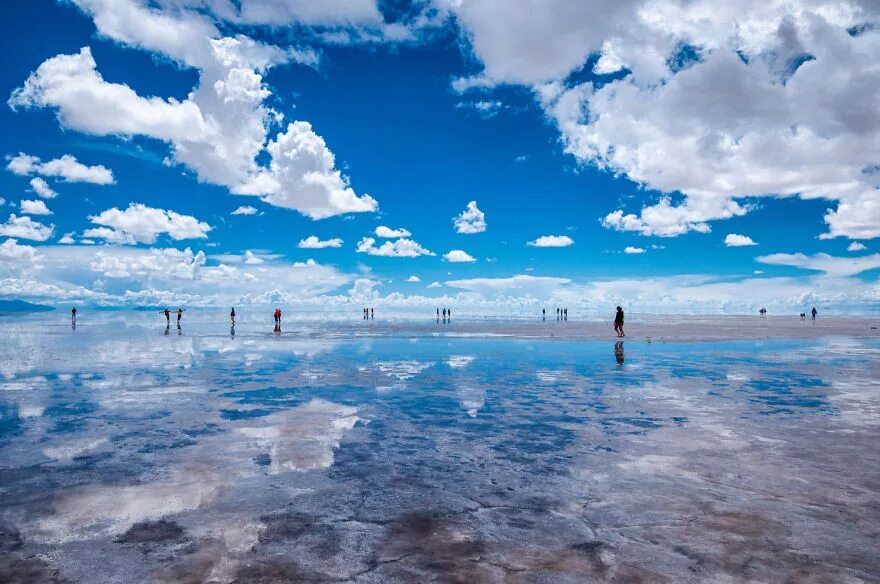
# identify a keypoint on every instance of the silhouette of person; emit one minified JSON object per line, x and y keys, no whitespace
{"x":168,"y":316}
{"x":565,"y":310}
{"x":557,"y":314}
{"x":372,"y":314}
{"x":179,"y":316}
{"x":232,"y":316}
{"x":543,"y":314}
{"x":277,"y":316}
{"x":73,"y":313}
{"x":814,"y":312}
{"x":618,"y":322}
{"x":618,"y":352}
{"x":444,"y":314}
{"x":449,"y":312}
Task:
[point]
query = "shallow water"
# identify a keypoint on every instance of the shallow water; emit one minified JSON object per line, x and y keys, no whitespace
{"x":132,"y":453}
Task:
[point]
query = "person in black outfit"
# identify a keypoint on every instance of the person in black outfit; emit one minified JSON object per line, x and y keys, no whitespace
{"x":618,"y":322}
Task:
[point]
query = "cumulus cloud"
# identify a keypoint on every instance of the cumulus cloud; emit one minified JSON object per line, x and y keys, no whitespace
{"x":822,"y":262}
{"x":25,"y":228}
{"x":716,"y":103}
{"x":244,"y":210}
{"x":630,"y":250}
{"x":66,"y":168}
{"x":312,"y":242}
{"x":413,"y":279}
{"x":36,"y":207}
{"x":12,"y":251}
{"x":471,"y":220}
{"x":458,"y":256}
{"x":220,"y":129}
{"x":736,"y":240}
{"x":42,"y":188}
{"x":389,"y":233}
{"x":401,"y":248}
{"x":552,"y":241}
{"x":856,"y":246}
{"x":67,"y":239}
{"x":141,"y":224}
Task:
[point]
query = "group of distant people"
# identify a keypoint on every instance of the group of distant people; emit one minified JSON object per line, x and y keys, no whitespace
{"x":446,"y":312}
{"x":369,"y":313}
{"x":813,"y":312}
{"x":168,"y":316}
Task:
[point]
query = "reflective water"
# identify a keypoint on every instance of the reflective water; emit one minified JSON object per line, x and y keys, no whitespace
{"x":134,"y":453}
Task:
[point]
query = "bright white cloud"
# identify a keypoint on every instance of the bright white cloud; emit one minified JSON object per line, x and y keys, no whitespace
{"x":67,"y":168}
{"x":42,"y":188}
{"x":67,"y":239}
{"x":25,"y":228}
{"x":770,"y":98}
{"x":552,"y":241}
{"x":244,"y":210}
{"x":856,"y":246}
{"x":312,"y":242}
{"x":435,"y":285}
{"x":252,"y":259}
{"x":12,"y":251}
{"x":141,"y":224}
{"x":630,"y":250}
{"x":401,"y":248}
{"x":413,"y":279}
{"x":822,"y":262}
{"x":36,"y":207}
{"x":389,"y":233}
{"x":458,"y":256}
{"x":222,"y":126}
{"x":736,"y":240}
{"x":471,"y":220}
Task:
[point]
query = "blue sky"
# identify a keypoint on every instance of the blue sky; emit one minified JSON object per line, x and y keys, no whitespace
{"x":585,"y":127}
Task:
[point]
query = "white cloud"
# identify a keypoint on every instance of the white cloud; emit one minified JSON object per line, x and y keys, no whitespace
{"x":12,"y":251}
{"x":244,"y":210}
{"x":42,"y":188}
{"x":67,"y":168}
{"x":435,"y":285}
{"x":413,"y":279}
{"x":36,"y":207}
{"x":736,"y":240}
{"x":222,"y":126}
{"x":471,"y":220}
{"x":25,"y":228}
{"x":402,"y":248}
{"x":458,"y":256}
{"x":856,"y":246}
{"x":252,"y":259}
{"x":822,"y":262}
{"x":312,"y":242}
{"x":67,"y":239}
{"x":749,"y":110}
{"x":552,"y":241}
{"x":389,"y":233}
{"x":141,"y":224}
{"x":633,"y":250}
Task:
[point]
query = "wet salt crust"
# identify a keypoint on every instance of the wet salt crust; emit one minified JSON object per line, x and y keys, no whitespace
{"x":407,"y":452}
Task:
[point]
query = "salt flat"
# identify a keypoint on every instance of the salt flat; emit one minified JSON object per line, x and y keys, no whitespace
{"x":726,"y":449}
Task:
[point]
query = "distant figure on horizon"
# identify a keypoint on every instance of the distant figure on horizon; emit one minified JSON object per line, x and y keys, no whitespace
{"x":179,"y":315}
{"x":444,"y":314}
{"x":168,"y":316}
{"x":73,"y":313}
{"x":232,"y":316}
{"x":543,"y":314}
{"x":618,"y":322}
{"x":618,"y":352}
{"x":814,"y":312}
{"x":449,"y":313}
{"x":565,"y":310}
{"x":438,"y":314}
{"x":803,"y":316}
{"x":277,"y":315}
{"x":763,"y":312}
{"x":372,"y":314}
{"x":557,"y":314}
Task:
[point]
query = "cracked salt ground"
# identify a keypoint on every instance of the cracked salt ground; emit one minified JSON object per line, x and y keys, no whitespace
{"x":129,"y":456}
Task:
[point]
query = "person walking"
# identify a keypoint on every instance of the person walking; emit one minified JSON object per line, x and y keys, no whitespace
{"x":618,"y":322}
{"x":814,"y":312}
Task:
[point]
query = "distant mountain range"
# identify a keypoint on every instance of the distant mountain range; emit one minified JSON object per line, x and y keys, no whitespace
{"x":22,"y":306}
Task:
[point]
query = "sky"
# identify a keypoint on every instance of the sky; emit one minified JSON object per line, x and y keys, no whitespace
{"x":670,"y":156}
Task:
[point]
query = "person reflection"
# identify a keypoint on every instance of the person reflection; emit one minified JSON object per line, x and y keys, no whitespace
{"x":232,"y":331}
{"x":278,"y":328}
{"x":618,"y":352}
{"x":179,"y":330}
{"x":167,"y":329}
